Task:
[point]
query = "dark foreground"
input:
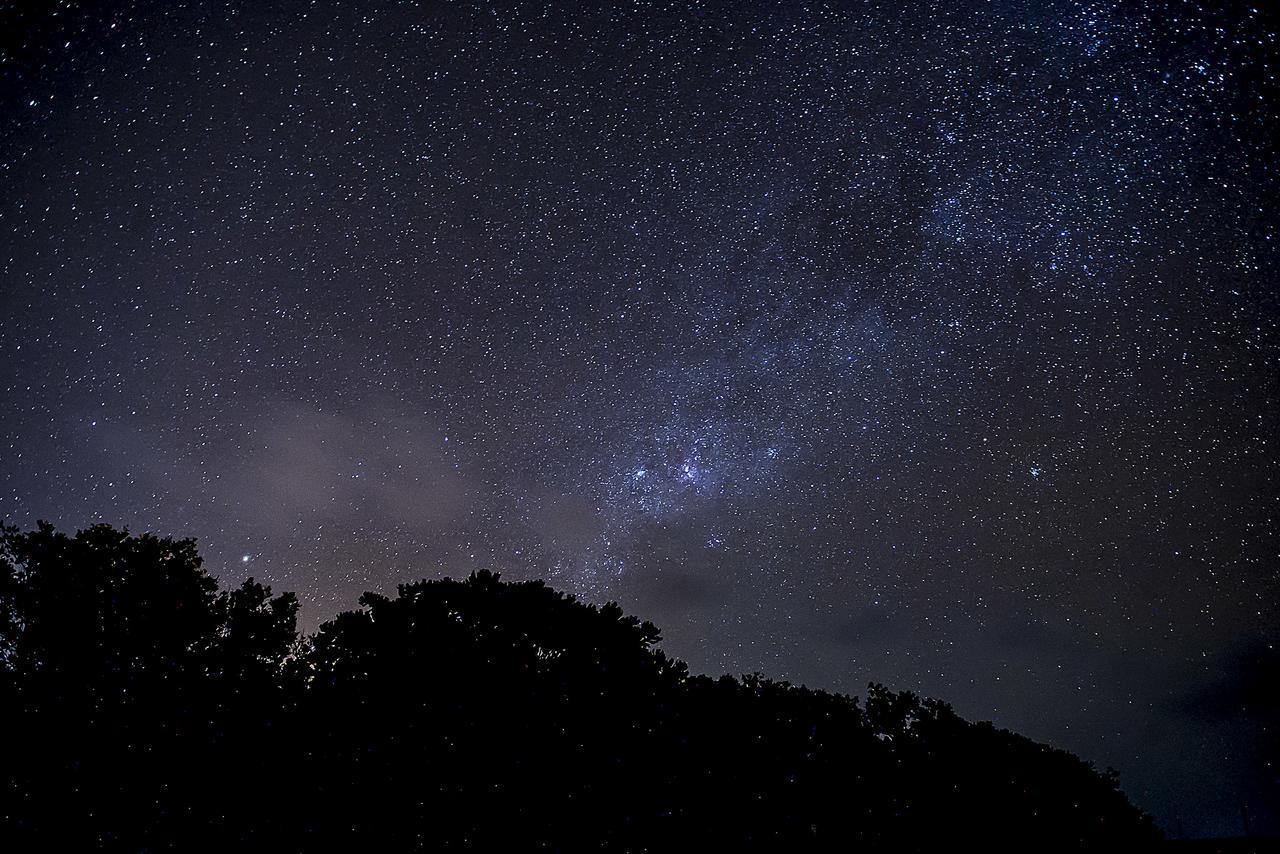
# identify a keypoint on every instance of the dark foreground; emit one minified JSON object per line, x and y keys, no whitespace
{"x":144,"y":710}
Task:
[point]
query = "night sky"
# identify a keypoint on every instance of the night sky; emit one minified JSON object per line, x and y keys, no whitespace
{"x":930,"y":343}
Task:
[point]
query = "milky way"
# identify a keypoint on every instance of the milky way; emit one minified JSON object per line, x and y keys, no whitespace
{"x":927,"y":343}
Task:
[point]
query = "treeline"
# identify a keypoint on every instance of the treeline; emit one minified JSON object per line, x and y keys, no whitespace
{"x":145,"y":710}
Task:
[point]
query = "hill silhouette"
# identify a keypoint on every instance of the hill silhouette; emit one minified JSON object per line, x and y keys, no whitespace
{"x":147,"y":710}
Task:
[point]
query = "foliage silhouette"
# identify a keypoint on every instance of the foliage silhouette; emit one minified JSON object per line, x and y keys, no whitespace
{"x":148,"y":711}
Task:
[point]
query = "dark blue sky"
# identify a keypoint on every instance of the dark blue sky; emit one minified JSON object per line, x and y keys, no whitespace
{"x":927,"y":343}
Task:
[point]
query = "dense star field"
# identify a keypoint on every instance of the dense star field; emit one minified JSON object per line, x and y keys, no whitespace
{"x":931,"y":343}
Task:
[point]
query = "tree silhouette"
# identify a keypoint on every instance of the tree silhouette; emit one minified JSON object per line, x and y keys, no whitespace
{"x":141,"y":693}
{"x":149,"y":711}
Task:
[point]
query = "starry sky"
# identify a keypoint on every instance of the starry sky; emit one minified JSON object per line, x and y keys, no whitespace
{"x":934,"y":343}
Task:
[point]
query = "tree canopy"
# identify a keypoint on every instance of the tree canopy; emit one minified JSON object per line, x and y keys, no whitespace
{"x":147,"y":710}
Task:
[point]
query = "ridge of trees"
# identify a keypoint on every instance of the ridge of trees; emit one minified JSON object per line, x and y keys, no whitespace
{"x":147,"y":710}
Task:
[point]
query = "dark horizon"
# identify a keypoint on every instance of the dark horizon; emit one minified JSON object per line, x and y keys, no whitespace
{"x":161,"y":711}
{"x":927,"y":344}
